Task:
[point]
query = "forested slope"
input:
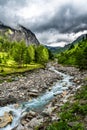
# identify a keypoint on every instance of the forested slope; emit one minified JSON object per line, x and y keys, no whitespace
{"x":76,"y":55}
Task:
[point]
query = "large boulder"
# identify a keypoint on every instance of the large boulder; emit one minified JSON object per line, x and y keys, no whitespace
{"x":5,"y":119}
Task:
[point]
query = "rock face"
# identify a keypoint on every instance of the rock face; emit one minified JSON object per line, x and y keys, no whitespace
{"x":18,"y":34}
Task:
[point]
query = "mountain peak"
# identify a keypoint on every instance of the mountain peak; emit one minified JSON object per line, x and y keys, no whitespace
{"x":18,"y":34}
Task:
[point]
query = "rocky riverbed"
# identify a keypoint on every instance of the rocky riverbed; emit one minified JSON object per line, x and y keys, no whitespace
{"x":24,"y":87}
{"x":31,"y":85}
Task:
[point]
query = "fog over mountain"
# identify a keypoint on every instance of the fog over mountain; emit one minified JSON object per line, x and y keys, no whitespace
{"x":55,"y":22}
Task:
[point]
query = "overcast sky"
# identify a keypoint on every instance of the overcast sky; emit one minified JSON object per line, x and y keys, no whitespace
{"x":55,"y":22}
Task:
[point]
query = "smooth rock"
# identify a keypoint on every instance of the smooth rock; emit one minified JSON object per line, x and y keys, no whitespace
{"x":71,"y":124}
{"x":5,"y":119}
{"x":35,"y":122}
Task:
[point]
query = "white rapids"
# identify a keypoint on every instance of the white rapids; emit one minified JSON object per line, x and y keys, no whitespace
{"x":37,"y":104}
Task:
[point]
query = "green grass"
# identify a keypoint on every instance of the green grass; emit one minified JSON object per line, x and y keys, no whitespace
{"x":82,"y":94}
{"x":74,"y":112}
{"x":3,"y":54}
{"x":62,"y":125}
{"x":5,"y":70}
{"x":9,"y":66}
{"x":58,"y":126}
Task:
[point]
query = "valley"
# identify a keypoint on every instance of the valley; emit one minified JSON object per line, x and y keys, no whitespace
{"x":41,"y":89}
{"x":33,"y":84}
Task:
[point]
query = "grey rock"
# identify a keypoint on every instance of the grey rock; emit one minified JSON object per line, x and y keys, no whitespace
{"x":33,"y":94}
{"x":71,"y":124}
{"x":8,"y":100}
{"x":19,"y":33}
{"x":85,"y":119}
{"x":35,"y":122}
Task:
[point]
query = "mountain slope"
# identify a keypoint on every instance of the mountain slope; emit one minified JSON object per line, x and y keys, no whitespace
{"x":21,"y":33}
{"x":55,"y":50}
{"x":75,"y":55}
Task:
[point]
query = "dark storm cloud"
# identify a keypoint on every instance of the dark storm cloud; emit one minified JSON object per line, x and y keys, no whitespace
{"x":66,"y":20}
{"x":46,"y":18}
{"x":15,"y":2}
{"x":2,"y":2}
{"x":60,"y":21}
{"x":9,"y":10}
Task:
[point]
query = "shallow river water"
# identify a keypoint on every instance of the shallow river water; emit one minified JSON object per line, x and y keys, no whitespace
{"x":37,"y":104}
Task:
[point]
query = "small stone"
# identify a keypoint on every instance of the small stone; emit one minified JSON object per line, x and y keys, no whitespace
{"x":34,"y":91}
{"x":32,"y":113}
{"x":16,"y":106}
{"x":49,"y":88}
{"x":20,"y":127}
{"x":65,"y":100}
{"x":23,"y":122}
{"x":65,"y":84}
{"x":33,"y":94}
{"x":85,"y":119}
{"x":78,"y":81}
{"x":71,"y":124}
{"x":35,"y":122}
{"x":55,"y":118}
{"x":64,"y":93}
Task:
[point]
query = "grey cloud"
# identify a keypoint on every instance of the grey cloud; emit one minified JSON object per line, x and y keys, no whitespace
{"x":60,"y":21}
{"x":63,"y":22}
{"x":9,"y":9}
{"x":3,"y":2}
{"x":64,"y":40}
{"x":15,"y":2}
{"x":66,"y":19}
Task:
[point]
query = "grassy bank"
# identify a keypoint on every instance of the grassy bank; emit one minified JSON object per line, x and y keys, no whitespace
{"x":5,"y":70}
{"x":9,"y":66}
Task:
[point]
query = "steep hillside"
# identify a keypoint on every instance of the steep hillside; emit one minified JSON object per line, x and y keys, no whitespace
{"x":75,"y":55}
{"x":21,"y":33}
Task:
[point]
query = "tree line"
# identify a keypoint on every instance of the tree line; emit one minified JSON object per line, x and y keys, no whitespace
{"x":23,"y":54}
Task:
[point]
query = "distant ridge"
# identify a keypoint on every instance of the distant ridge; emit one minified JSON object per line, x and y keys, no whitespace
{"x":61,"y":49}
{"x":80,"y":38}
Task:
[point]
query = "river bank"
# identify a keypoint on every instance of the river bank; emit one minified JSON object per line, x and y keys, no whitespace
{"x":36,"y":83}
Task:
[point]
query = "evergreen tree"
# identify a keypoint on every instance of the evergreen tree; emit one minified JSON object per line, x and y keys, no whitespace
{"x":31,"y":53}
{"x":26,"y":57}
{"x":18,"y":52}
{"x":71,"y":47}
{"x":42,"y":54}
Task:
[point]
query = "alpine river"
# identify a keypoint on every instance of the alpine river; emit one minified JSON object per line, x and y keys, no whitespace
{"x":38,"y":103}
